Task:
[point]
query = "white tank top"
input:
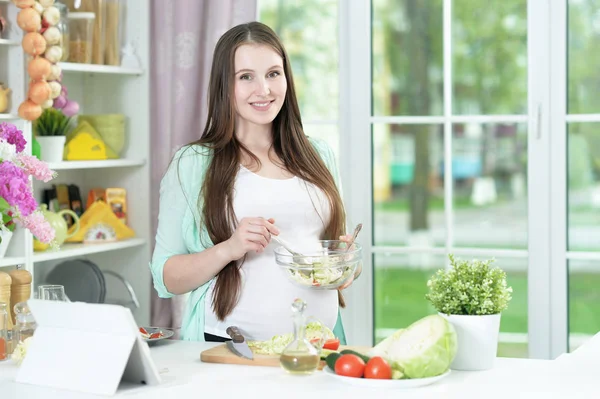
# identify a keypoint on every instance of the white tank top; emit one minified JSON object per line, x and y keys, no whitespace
{"x":264,"y":308}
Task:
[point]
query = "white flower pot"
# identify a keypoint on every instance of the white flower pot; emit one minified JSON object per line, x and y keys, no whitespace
{"x":477,"y":341}
{"x":52,"y":148}
{"x":5,"y":236}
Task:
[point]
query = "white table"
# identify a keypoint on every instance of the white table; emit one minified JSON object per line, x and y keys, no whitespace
{"x":185,"y":376}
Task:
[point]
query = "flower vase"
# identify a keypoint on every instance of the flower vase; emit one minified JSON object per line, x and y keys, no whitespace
{"x":5,"y":236}
{"x":52,"y":148}
{"x":477,"y":339}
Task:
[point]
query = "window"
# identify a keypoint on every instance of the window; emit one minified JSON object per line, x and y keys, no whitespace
{"x":309,"y":31}
{"x":447,"y":108}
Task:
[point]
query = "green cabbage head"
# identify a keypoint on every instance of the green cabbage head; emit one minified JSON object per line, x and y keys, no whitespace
{"x":425,"y":349}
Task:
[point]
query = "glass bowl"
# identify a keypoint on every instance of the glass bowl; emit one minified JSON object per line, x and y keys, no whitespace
{"x":328,"y":267}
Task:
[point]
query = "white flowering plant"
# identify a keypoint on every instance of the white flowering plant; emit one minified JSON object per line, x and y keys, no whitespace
{"x":469,"y":288}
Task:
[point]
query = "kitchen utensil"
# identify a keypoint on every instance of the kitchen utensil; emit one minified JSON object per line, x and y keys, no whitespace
{"x":354,"y":235}
{"x":408,"y":383}
{"x":59,"y":224}
{"x":83,"y":280}
{"x":24,"y":323}
{"x":330,"y":267}
{"x":238,"y":344}
{"x":298,"y":257}
{"x":20,"y":289}
{"x":155,"y":334}
{"x":52,"y":292}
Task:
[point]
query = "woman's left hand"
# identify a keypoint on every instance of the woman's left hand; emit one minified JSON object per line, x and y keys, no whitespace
{"x":348,"y":283}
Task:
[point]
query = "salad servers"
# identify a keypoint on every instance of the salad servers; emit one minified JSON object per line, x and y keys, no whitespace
{"x":354,"y":235}
{"x":298,"y":257}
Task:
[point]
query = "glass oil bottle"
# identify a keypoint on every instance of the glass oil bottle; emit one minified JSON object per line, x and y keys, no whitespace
{"x":300,"y":356}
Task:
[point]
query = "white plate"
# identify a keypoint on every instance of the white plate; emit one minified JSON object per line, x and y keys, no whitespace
{"x":391,"y":384}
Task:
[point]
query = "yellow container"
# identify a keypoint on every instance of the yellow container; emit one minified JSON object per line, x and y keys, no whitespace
{"x":81,"y":36}
{"x":111,"y":127}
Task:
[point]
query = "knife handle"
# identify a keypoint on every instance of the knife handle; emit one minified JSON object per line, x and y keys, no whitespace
{"x":235,"y":334}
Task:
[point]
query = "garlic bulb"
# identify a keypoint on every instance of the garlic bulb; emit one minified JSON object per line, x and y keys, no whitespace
{"x":55,"y":72}
{"x":47,"y":104}
{"x":52,"y":35}
{"x":51,"y":15}
{"x":53,"y":54}
{"x":38,"y":7}
{"x":55,"y":88}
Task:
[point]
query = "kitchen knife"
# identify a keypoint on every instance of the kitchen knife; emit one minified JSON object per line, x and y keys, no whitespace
{"x":238,"y":344}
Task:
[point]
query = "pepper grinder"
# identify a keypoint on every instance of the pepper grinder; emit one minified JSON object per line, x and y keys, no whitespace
{"x":5,"y":282}
{"x":20,"y":289}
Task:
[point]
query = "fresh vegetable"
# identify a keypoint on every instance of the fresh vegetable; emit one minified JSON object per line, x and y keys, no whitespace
{"x":331,"y":359}
{"x":378,"y":368}
{"x":332,"y":344}
{"x":350,"y":365}
{"x":323,"y":270}
{"x":351,"y":352}
{"x":147,"y":335}
{"x":425,"y":349}
{"x":327,"y":352}
{"x":277,"y":343}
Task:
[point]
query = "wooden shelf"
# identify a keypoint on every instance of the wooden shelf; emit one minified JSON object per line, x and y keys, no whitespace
{"x":11,"y":261}
{"x":101,"y":69}
{"x":109,"y":163}
{"x":73,"y":250}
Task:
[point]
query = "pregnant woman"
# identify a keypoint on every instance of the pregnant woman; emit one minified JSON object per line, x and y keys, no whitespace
{"x":253,"y":174}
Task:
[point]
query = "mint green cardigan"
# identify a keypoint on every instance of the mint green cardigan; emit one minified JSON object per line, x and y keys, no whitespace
{"x":179,"y":227}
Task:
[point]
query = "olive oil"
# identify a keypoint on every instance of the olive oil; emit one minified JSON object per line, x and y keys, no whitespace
{"x":299,"y":362}
{"x":300,"y":356}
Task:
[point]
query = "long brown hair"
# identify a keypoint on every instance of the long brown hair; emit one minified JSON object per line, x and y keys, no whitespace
{"x":290,"y":144}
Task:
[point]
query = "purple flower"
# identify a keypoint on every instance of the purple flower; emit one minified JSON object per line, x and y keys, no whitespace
{"x":14,"y":188}
{"x":12,"y":135}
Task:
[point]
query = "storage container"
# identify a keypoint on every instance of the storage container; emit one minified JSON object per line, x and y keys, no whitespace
{"x":81,"y":35}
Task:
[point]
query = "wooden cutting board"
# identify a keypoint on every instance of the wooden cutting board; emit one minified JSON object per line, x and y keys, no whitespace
{"x":221,"y":354}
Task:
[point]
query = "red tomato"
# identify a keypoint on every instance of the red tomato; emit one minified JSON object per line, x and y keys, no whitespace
{"x":332,"y":344}
{"x":143,"y":330}
{"x":378,"y":368}
{"x":350,"y":365}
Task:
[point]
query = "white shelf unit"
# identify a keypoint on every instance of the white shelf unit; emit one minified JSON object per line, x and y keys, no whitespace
{"x":109,"y":163}
{"x":100,"y":69}
{"x":7,"y":42}
{"x":98,"y":89}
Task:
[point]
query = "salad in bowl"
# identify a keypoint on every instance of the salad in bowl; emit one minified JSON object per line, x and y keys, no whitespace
{"x":329,"y":266}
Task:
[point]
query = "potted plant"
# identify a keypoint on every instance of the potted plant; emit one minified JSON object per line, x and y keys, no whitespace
{"x":51,"y":129}
{"x":17,"y":203}
{"x":472,"y":296}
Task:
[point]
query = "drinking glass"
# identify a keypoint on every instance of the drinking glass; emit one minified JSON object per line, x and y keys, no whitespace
{"x":52,"y":293}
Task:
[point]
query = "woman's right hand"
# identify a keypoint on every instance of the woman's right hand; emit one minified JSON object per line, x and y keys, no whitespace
{"x":252,"y":234}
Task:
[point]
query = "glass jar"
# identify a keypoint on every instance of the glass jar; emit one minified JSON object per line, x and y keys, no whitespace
{"x":63,"y":27}
{"x":24,"y":324}
{"x":81,"y":37}
{"x":3,"y":332}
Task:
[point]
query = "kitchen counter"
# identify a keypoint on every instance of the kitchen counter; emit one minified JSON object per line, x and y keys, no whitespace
{"x":185,"y":376}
